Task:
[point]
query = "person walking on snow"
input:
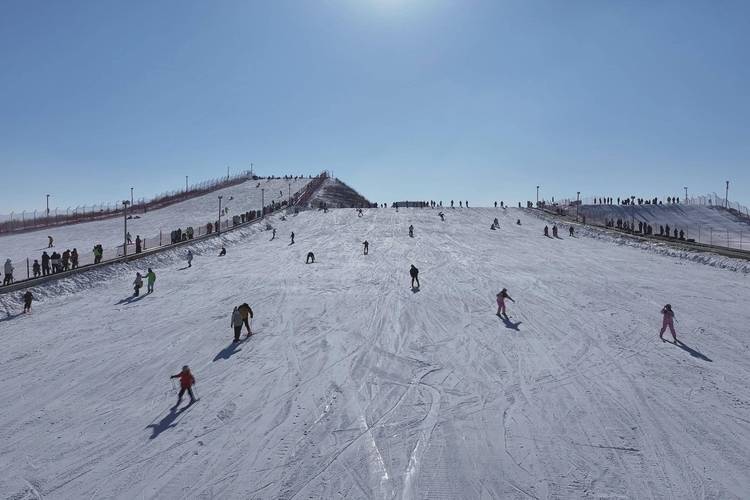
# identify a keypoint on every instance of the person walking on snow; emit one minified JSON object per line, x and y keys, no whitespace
{"x":150,"y":280}
{"x":571,"y":231}
{"x":411,"y":230}
{"x":414,"y":273}
{"x":667,"y":322}
{"x":27,"y":299}
{"x":501,"y":302}
{"x":50,"y":242}
{"x":546,"y":231}
{"x":187,"y":381}
{"x":37,"y":269}
{"x":273,"y":234}
{"x":366,"y":247}
{"x":137,"y":284}
{"x":292,"y":236}
{"x":236,"y":323}
{"x":246,"y":312}
{"x":190,"y":258}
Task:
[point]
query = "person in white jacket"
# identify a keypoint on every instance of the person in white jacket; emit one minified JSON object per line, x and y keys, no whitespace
{"x":236,"y":323}
{"x":8,"y":273}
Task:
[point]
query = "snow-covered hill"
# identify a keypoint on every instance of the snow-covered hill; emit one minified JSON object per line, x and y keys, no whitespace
{"x":109,"y":232}
{"x":710,"y":225}
{"x":354,"y":386}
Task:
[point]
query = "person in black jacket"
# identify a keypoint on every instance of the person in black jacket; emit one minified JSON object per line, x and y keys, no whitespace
{"x":27,"y":298}
{"x":414,"y":273}
{"x":45,"y":263}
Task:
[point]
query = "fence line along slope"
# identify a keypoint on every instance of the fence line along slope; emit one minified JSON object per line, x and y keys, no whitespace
{"x":355,"y":386}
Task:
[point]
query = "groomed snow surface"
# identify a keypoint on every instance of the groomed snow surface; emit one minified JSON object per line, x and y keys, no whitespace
{"x":354,"y":386}
{"x":195,"y":212}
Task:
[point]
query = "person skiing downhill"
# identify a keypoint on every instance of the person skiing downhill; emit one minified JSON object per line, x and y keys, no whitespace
{"x":236,"y":323}
{"x":137,"y":284}
{"x":27,"y":298}
{"x":50,"y":242}
{"x":150,"y":279}
{"x":667,"y":322}
{"x":187,"y":381}
{"x":273,"y":234}
{"x":411,"y":230}
{"x":190,"y":258}
{"x":246,"y":312}
{"x":414,"y":273}
{"x":501,"y":302}
{"x":292,"y":237}
{"x":366,"y":245}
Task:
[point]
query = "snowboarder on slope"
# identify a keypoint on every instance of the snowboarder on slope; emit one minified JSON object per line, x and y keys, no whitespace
{"x":411,"y":230}
{"x":246,"y":312}
{"x":223,"y":252}
{"x":236,"y":323}
{"x":150,"y":279}
{"x":366,"y":245}
{"x":190,"y":258}
{"x":187,"y":381}
{"x":501,"y":302}
{"x":27,"y":298}
{"x":667,"y":322}
{"x":414,"y":273}
{"x":50,"y":242}
{"x":292,"y":236}
{"x":310,"y":256}
{"x":442,"y":216}
{"x":137,"y":284}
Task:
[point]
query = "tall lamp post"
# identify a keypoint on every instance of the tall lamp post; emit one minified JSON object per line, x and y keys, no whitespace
{"x":186,"y":183}
{"x":48,"y":206}
{"x":726,"y":197}
{"x":131,"y":197}
{"x":125,"y":204}
{"x":262,"y":203}
{"x":537,"y":197}
{"x":218,"y":229}
{"x":290,"y":194}
{"x":578,"y":203}
{"x":686,"y":195}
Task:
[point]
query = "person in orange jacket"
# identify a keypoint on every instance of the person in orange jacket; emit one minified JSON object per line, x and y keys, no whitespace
{"x":186,"y":383}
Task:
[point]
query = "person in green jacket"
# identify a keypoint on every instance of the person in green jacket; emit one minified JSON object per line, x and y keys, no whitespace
{"x":151,"y":278}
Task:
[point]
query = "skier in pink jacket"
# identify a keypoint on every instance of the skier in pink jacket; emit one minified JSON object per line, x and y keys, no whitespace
{"x":667,"y":322}
{"x":501,"y":302}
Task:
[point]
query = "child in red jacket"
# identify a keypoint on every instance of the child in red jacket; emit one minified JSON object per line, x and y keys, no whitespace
{"x":186,"y":383}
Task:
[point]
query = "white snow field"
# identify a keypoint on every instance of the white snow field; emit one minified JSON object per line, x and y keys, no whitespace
{"x":354,"y":386}
{"x":109,"y":232}
{"x":705,"y":224}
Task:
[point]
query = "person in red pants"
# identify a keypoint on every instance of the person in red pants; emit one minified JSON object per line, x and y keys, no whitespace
{"x":667,"y":322}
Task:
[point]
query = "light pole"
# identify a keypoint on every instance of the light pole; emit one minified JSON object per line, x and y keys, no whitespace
{"x":726,"y":197}
{"x":578,"y":203}
{"x":186,"y":183}
{"x":262,"y":203}
{"x":537,"y":197}
{"x":218,"y":229}
{"x":290,"y":194}
{"x":685,"y":195}
{"x":125,"y":204}
{"x":131,"y":197}
{"x":48,"y":206}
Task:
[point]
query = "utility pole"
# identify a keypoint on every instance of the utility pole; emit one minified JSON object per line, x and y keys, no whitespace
{"x":537,"y":197}
{"x":186,"y":183}
{"x":726,"y":197}
{"x":48,"y":206}
{"x":262,"y":203}
{"x":578,"y":203}
{"x":686,"y":195}
{"x":290,"y":194}
{"x":131,"y":197}
{"x":125,"y":204}
{"x":218,"y":229}
{"x":227,"y":172}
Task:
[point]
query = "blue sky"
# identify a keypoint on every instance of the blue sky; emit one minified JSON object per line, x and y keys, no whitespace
{"x":430,"y":99}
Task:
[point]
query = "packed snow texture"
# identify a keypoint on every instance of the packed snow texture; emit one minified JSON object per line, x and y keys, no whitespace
{"x":110,"y":232}
{"x":705,"y":224}
{"x":355,"y":386}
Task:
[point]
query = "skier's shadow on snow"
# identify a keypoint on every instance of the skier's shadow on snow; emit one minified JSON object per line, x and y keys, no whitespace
{"x":130,"y":299}
{"x":228,"y":351}
{"x":415,"y":289}
{"x":183,"y":268}
{"x":166,"y":422}
{"x":509,"y":324}
{"x":10,"y":317}
{"x":692,"y":352}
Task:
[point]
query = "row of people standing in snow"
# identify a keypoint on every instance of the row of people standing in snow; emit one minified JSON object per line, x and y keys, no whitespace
{"x":671,"y":200}
{"x":646,"y":228}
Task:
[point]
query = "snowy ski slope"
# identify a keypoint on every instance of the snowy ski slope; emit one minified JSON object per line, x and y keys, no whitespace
{"x":109,"y":232}
{"x":356,"y":387}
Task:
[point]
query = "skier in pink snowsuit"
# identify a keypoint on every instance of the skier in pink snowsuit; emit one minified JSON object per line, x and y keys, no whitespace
{"x":667,"y":322}
{"x":501,"y":301}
